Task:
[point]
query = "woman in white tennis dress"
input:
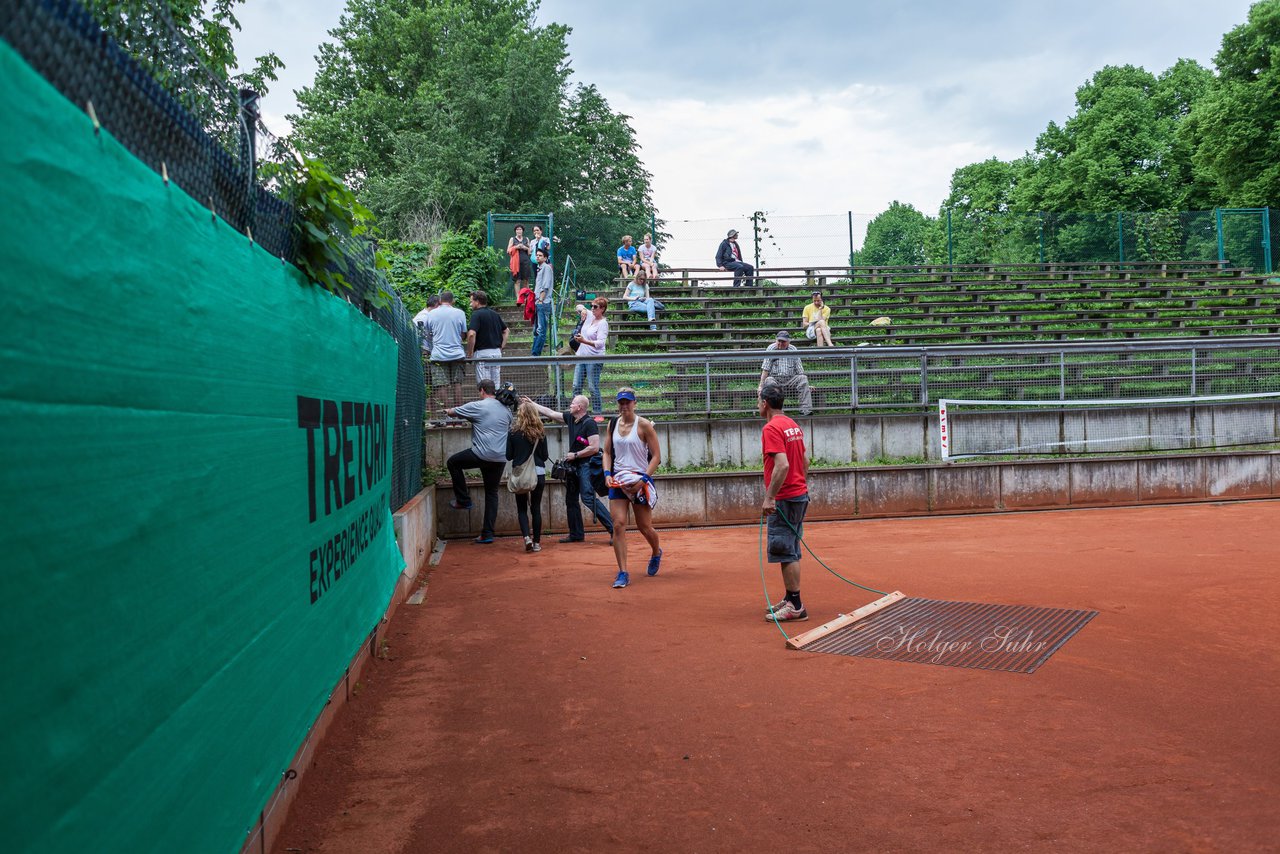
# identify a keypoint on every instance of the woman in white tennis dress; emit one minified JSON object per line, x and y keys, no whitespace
{"x":631,"y":456}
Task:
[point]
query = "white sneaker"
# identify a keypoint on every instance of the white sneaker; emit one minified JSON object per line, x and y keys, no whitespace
{"x":788,"y":613}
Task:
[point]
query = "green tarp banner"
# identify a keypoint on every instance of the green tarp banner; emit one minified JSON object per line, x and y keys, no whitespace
{"x":195,"y":471}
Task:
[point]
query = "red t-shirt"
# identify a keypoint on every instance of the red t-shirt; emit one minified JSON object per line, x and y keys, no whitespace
{"x":783,"y":436}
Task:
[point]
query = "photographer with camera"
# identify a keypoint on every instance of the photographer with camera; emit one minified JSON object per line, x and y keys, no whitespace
{"x":582,"y":457}
{"x":490,"y":423}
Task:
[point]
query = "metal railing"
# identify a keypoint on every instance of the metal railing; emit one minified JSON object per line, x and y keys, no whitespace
{"x":844,"y":381}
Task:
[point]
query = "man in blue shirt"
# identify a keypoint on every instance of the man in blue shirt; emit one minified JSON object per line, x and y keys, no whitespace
{"x":627,"y":262}
{"x":490,"y":423}
{"x":443,"y":329}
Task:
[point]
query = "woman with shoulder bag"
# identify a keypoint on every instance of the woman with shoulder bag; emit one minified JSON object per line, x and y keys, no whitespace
{"x":527,"y":445}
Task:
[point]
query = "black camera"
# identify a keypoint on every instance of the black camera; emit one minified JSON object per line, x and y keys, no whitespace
{"x":508,"y":396}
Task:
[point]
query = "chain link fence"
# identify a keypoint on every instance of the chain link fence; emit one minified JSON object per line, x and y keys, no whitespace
{"x":1241,"y":237}
{"x":128,"y":66}
{"x":766,"y":240}
{"x":908,"y":379}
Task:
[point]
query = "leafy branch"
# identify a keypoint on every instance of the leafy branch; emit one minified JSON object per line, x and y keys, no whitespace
{"x":331,"y":226}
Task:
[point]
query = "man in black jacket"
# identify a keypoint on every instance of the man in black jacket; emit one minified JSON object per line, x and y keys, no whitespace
{"x":729,"y":257}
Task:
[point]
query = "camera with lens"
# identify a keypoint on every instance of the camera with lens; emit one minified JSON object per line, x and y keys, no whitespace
{"x":508,"y":396}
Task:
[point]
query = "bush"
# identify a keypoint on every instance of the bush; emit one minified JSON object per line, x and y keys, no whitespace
{"x":461,"y":263}
{"x":407,"y":271}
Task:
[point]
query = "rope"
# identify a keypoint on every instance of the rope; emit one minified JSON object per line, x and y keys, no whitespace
{"x":767,"y":604}
{"x":819,"y":560}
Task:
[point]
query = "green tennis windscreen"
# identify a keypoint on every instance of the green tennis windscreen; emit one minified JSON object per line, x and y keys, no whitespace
{"x":195,"y":476}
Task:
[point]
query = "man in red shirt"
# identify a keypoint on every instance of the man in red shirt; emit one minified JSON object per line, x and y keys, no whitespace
{"x":786,"y":497}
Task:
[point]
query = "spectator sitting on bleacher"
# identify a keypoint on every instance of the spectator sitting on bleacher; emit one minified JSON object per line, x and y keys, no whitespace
{"x":627,"y":263}
{"x":816,"y":317}
{"x":729,"y":257}
{"x":786,"y":372}
{"x":648,"y":258}
{"x":638,"y":299}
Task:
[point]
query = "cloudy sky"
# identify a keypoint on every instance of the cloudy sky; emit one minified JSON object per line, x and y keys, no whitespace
{"x":818,"y":108}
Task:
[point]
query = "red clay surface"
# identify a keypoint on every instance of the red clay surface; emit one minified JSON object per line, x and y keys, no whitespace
{"x":527,"y":706}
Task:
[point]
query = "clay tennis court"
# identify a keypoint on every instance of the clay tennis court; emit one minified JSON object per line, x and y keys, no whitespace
{"x":527,"y":706}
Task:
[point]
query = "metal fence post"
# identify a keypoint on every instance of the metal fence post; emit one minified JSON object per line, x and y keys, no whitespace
{"x":1222,"y":255}
{"x":707,"y":374}
{"x":853,"y":382}
{"x":249,"y":115}
{"x":851,"y":258}
{"x":1041,"y":237}
{"x":950,"y":257}
{"x":1266,"y":240}
{"x":1193,"y":371}
{"x":1062,"y":375}
{"x":551,"y":236}
{"x":924,"y":379}
{"x":755,"y":226}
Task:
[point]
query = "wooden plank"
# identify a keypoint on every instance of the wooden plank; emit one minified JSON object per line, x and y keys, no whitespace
{"x":843,"y":620}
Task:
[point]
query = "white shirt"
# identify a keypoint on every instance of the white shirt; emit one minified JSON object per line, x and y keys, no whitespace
{"x":595,"y":336}
{"x":630,"y":453}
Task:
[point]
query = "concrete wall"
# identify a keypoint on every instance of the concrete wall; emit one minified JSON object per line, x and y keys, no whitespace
{"x":415,"y":529}
{"x":929,"y":489}
{"x":737,"y":442}
{"x":866,"y":438}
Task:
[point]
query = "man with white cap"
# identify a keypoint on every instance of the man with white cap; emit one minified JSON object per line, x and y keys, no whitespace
{"x":729,"y":257}
{"x":786,"y":372}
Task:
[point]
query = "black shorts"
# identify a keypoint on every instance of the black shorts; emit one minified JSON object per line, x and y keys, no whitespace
{"x":784,"y":543}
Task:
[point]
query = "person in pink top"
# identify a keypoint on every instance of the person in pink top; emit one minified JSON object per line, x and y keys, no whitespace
{"x":648,"y":254}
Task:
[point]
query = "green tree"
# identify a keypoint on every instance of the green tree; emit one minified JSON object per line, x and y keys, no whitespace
{"x":1112,"y":154}
{"x":202,"y":78}
{"x":896,"y":237}
{"x":1121,"y":151}
{"x":463,"y":106}
{"x":448,"y":102}
{"x":605,"y":192}
{"x":980,"y":204}
{"x":464,"y":264}
{"x":407,"y":265}
{"x":1236,"y":127}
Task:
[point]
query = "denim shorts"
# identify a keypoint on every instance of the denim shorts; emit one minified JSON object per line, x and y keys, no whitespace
{"x":784,"y":543}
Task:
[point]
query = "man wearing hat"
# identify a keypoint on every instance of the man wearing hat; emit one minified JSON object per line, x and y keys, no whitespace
{"x":786,"y":372}
{"x":729,"y":257}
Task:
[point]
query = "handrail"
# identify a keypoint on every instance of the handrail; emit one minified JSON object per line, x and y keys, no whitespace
{"x":932,"y":350}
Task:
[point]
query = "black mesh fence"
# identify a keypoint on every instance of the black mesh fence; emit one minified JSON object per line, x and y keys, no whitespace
{"x":132,"y":70}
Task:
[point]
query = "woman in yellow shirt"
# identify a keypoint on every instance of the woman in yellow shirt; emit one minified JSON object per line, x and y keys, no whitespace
{"x":816,"y":316}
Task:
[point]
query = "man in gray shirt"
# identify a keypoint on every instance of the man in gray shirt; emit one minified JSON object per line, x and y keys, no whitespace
{"x":444,"y":328}
{"x":543,"y":286}
{"x":490,"y":423}
{"x":786,"y":371}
